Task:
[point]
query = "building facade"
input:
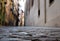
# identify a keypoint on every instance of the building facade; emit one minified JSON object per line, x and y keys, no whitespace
{"x":8,"y":12}
{"x":42,"y":13}
{"x":9,"y":17}
{"x":2,"y":12}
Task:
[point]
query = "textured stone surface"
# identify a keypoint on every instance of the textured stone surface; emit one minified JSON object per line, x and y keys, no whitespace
{"x":29,"y":34}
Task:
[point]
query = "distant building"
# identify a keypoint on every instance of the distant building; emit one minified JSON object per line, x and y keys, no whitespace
{"x":2,"y":12}
{"x":9,"y":18}
{"x":21,"y":14}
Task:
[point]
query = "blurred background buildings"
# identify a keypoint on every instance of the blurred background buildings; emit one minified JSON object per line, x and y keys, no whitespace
{"x":30,"y":12}
{"x":9,"y":12}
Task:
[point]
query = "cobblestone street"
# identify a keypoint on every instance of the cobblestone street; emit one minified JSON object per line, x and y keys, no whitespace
{"x":29,"y":34}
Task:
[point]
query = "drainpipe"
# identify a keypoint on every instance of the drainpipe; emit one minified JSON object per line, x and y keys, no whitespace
{"x":25,"y":13}
{"x":45,"y":10}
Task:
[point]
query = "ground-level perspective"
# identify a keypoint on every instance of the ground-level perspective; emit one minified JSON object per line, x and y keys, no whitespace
{"x":30,"y":34}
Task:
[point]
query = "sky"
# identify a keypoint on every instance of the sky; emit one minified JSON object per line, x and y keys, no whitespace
{"x":22,"y":4}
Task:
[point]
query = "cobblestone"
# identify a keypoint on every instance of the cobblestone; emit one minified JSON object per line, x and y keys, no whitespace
{"x":29,"y":34}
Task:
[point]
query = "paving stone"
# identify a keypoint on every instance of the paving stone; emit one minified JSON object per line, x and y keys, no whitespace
{"x":29,"y":34}
{"x":14,"y":39}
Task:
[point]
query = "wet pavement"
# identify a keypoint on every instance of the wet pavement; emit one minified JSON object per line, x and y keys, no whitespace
{"x":29,"y":34}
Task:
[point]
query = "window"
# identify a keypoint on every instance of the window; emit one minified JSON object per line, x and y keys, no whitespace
{"x":5,"y":2}
{"x":38,"y":8}
{"x":11,"y":9}
{"x":32,"y":2}
{"x":38,"y":13}
{"x":51,"y":2}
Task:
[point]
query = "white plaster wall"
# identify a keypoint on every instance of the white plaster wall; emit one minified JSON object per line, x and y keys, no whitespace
{"x":32,"y":19}
{"x":53,"y":14}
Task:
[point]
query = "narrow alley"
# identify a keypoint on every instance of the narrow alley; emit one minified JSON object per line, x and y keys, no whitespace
{"x":29,"y":20}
